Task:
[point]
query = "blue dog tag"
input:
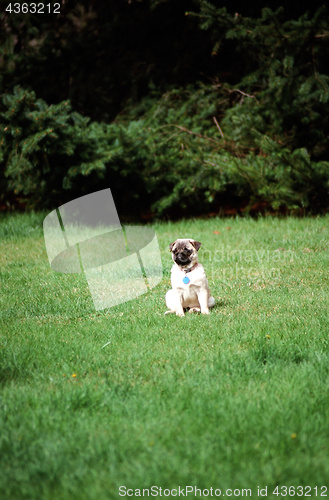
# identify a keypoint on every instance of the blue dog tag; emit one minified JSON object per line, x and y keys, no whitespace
{"x":186,"y":280}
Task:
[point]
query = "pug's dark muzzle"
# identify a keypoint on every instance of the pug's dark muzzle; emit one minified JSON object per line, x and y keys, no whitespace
{"x":182,"y":259}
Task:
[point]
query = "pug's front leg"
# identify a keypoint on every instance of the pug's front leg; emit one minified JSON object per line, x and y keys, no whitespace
{"x":203,"y":301}
{"x":179,"y":305}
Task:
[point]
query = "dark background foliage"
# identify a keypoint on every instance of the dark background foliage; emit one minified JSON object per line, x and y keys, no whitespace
{"x":179,"y":107}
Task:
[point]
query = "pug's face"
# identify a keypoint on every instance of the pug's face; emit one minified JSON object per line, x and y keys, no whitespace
{"x":185,"y":252}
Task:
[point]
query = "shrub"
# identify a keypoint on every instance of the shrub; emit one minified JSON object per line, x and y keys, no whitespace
{"x":41,"y":146}
{"x":188,"y":162}
{"x":168,"y":155}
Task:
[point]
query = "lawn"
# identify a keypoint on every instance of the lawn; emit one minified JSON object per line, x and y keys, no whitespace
{"x":101,"y":405}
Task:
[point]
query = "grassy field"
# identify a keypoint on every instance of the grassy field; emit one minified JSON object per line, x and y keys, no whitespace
{"x":128,"y":397}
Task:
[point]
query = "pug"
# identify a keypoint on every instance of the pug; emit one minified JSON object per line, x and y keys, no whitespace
{"x":188,"y":280}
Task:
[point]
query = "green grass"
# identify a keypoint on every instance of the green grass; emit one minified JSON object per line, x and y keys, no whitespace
{"x":128,"y":396}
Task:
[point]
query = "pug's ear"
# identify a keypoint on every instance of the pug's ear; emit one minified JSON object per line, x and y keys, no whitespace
{"x":171,"y":246}
{"x":196,"y":244}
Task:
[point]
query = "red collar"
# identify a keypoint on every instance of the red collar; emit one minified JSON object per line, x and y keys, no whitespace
{"x":192,"y":268}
